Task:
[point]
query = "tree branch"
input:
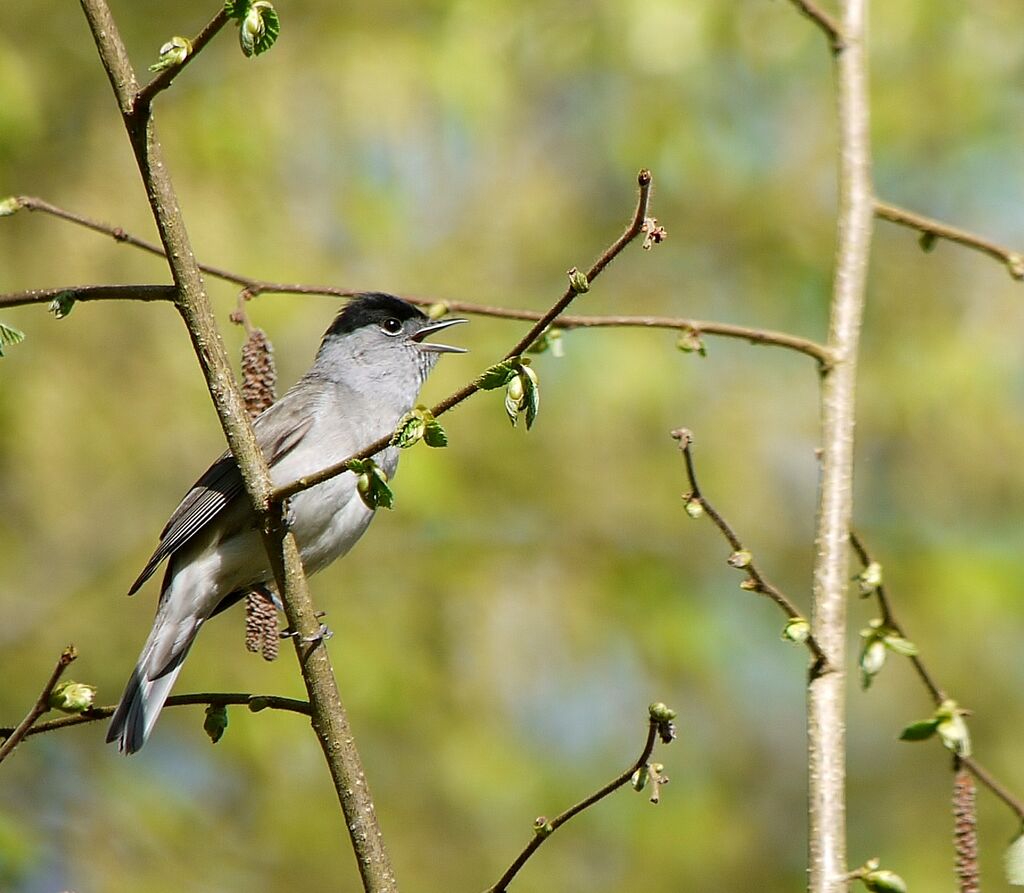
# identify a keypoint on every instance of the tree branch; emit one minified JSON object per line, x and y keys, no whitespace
{"x":824,"y":21}
{"x":255,"y":703}
{"x":826,"y":732}
{"x":935,"y":229}
{"x":41,"y":705}
{"x":938,"y":694}
{"x":144,"y":97}
{"x":544,"y":828}
{"x":610,"y":253}
{"x":252,"y":287}
{"x":759,"y":582}
{"x":83,"y":293}
{"x":329,"y":719}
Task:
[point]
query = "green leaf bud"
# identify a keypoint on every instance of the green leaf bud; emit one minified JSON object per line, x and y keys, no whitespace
{"x":216,"y":721}
{"x":173,"y":53}
{"x":919,"y":731}
{"x":10,"y":205}
{"x":578,"y":282}
{"x":796,"y":630}
{"x":740,"y":558}
{"x":690,"y":342}
{"x":62,"y":305}
{"x":72,"y":697}
{"x":884,"y":881}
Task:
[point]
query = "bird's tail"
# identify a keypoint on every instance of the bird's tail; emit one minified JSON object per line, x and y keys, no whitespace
{"x":154,"y":675}
{"x":140,"y":705}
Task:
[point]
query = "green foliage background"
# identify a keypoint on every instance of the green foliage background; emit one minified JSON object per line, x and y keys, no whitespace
{"x":499,"y":635}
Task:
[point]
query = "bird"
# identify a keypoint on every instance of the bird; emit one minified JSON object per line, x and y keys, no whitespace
{"x":366,"y":375}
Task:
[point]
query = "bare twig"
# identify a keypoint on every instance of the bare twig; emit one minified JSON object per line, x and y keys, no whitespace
{"x":759,"y":582}
{"x":255,"y":703}
{"x":824,"y":21}
{"x":546,"y":828}
{"x":935,"y":229}
{"x":826,"y":698}
{"x":610,"y":253}
{"x":163,"y":79}
{"x":252,"y":287}
{"x":329,"y":719}
{"x":84,"y":293}
{"x":41,"y":705}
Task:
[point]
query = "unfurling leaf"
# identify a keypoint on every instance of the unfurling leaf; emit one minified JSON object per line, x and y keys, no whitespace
{"x":531,"y":389}
{"x":694,"y":507}
{"x":919,"y":731}
{"x":9,"y":335}
{"x":796,"y":630}
{"x":872,"y":659}
{"x":740,"y":558}
{"x":498,"y":375}
{"x":884,"y":881}
{"x":416,"y":425}
{"x":690,"y":342}
{"x":9,"y":205}
{"x":258,"y":24}
{"x":870,"y":578}
{"x":173,"y":53}
{"x":72,"y":697}
{"x":216,"y":721}
{"x":435,"y":435}
{"x":1014,"y":861}
{"x":372,"y":484}
{"x":578,"y":282}
{"x":62,"y":305}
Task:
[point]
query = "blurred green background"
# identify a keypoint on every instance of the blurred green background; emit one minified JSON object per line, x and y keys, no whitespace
{"x":499,"y":635}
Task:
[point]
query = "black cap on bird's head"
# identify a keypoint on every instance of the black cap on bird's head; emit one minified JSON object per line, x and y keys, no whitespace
{"x":394,"y":317}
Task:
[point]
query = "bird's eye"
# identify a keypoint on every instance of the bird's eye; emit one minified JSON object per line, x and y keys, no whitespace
{"x":391,"y":326}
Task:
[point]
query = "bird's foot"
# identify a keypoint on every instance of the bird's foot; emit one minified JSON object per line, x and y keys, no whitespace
{"x":321,"y":635}
{"x":287,"y":514}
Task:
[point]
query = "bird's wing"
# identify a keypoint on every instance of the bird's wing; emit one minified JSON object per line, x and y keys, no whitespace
{"x":277,"y":433}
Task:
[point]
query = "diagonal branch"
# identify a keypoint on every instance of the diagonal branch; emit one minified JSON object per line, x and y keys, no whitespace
{"x":935,"y":229}
{"x":759,"y":582}
{"x":41,"y":705}
{"x":76,"y":293}
{"x":610,"y":253}
{"x":544,"y":829}
{"x":824,"y":21}
{"x":329,"y":719}
{"x":937,"y":693}
{"x":144,"y":97}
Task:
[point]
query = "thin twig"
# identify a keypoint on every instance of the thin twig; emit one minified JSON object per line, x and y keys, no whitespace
{"x":41,"y":705}
{"x":84,"y":293}
{"x":936,"y":229}
{"x":890,"y":620}
{"x":255,"y":703}
{"x":936,"y":691}
{"x":554,"y":824}
{"x":824,"y":21}
{"x":163,"y":79}
{"x":613,"y":250}
{"x":759,"y":582}
{"x":252,"y":287}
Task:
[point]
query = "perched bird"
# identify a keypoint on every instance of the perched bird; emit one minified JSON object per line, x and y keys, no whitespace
{"x":366,"y":376}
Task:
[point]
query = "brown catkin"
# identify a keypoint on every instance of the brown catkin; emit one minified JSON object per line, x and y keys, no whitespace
{"x":965,"y":831}
{"x":259,"y":374}
{"x":259,"y":383}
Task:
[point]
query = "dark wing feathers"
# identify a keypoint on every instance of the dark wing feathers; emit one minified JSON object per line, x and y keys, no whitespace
{"x":216,"y":489}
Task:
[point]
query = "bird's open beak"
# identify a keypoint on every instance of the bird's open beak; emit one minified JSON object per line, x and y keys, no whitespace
{"x":432,"y":327}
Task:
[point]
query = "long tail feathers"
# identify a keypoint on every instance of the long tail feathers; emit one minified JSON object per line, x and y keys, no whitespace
{"x":141,"y":703}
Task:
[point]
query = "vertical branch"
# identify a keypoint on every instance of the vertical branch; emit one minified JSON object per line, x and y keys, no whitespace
{"x":826,"y":692}
{"x":329,"y":720}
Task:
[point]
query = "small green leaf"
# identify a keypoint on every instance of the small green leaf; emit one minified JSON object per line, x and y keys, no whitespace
{"x":259,"y":29}
{"x":690,"y":342}
{"x":870,"y":578}
{"x":796,"y":630}
{"x":411,"y":429}
{"x":372,"y":484}
{"x":435,"y":435}
{"x":515,"y":395}
{"x":919,"y":731}
{"x":640,"y":778}
{"x":955,"y":735}
{"x":900,"y":645}
{"x":216,"y":721}
{"x":884,"y":881}
{"x":1014,"y":861}
{"x":498,"y":375}
{"x":173,"y":53}
{"x":9,"y":335}
{"x":72,"y":697}
{"x":531,"y":394}
{"x":236,"y":9}
{"x":578,"y":282}
{"x":62,"y":305}
{"x":927,"y":241}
